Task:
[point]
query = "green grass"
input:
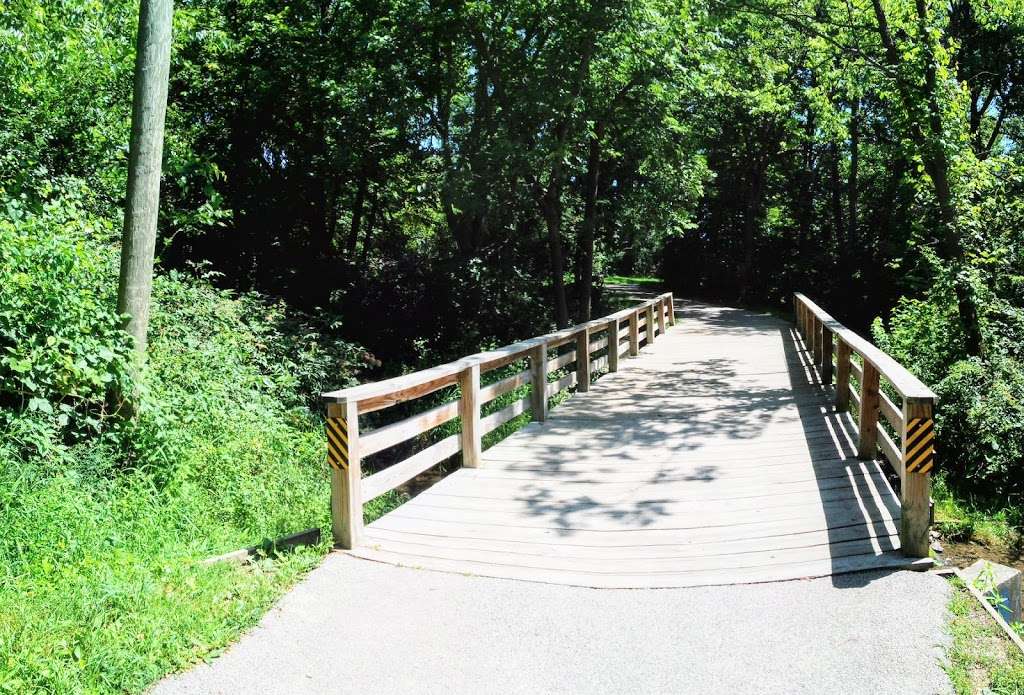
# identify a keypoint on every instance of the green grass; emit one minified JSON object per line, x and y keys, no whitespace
{"x":961,"y":521}
{"x":105,"y":520}
{"x":631,"y":280}
{"x":980,"y":657}
{"x":112,"y":596}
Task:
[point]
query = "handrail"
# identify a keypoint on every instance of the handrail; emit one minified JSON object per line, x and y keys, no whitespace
{"x":349,"y":490}
{"x":381,"y":394}
{"x":912,"y":454}
{"x":908,"y":385}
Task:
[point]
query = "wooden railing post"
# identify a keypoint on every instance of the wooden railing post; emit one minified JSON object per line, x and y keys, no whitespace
{"x":649,"y":313}
{"x":613,"y":345}
{"x":816,"y":339}
{"x":842,"y":376}
{"x":918,"y":453}
{"x":539,"y":382}
{"x":915,"y":456}
{"x":867,"y":441}
{"x":343,"y":457}
{"x":469,"y":414}
{"x":671,"y":310}
{"x":661,"y":316}
{"x":634,"y":334}
{"x":826,"y":356}
{"x":583,"y":360}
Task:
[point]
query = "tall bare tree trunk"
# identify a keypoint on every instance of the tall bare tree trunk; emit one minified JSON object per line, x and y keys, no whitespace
{"x":551,"y":207}
{"x":585,"y":269}
{"x":852,"y":190}
{"x":357,"y":216}
{"x":805,"y":199}
{"x":149,"y":107}
{"x":838,"y":225}
{"x":936,"y":162}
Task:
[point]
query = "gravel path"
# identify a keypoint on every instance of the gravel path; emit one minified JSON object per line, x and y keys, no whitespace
{"x":355,"y":626}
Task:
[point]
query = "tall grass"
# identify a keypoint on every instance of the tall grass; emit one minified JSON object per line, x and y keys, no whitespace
{"x":105,"y":520}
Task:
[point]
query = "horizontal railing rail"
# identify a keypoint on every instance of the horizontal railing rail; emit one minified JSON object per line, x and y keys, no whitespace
{"x":831,"y":347}
{"x":618,"y":335}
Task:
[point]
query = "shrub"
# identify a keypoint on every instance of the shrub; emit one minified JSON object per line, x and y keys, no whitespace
{"x":980,"y":427}
{"x":61,"y":347}
{"x":980,"y":411}
{"x":104,"y":518}
{"x":922,"y":334}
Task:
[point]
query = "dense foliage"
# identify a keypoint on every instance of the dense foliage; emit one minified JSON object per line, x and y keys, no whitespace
{"x":867,"y":153}
{"x":421,"y":179}
{"x":105,"y":517}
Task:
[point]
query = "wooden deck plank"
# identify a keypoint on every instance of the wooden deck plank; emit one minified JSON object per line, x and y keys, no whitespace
{"x":713,"y":457}
{"x":625,"y":563}
{"x":380,"y":536}
{"x":626,"y":517}
{"x":623,"y":538}
{"x":653,"y":580}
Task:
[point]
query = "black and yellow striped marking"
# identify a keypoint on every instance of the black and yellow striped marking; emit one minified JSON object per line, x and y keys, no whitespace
{"x":337,"y":443}
{"x":920,"y":448}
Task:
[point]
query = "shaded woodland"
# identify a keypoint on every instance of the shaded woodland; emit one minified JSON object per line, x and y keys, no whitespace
{"x":353,"y":188}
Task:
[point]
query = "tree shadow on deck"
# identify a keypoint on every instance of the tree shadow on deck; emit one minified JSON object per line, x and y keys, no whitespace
{"x":643,"y":447}
{"x":868,"y":524}
{"x":653,"y":446}
{"x":643,"y":433}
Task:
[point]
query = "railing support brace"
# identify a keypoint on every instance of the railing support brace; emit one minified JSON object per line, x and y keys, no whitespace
{"x":816,"y":329}
{"x":539,"y":382}
{"x":583,"y":360}
{"x":613,"y":345}
{"x":650,"y":324}
{"x":842,"y":376}
{"x":469,"y":414}
{"x":346,"y":474}
{"x":867,"y":441}
{"x":634,"y":334}
{"x":918,"y":455}
{"x":826,"y":356}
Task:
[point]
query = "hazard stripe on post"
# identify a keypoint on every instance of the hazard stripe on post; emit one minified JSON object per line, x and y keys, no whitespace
{"x":920,"y":446}
{"x":337,"y":443}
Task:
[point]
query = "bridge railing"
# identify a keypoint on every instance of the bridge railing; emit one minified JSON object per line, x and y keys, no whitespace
{"x":913,"y":455}
{"x":617,"y":334}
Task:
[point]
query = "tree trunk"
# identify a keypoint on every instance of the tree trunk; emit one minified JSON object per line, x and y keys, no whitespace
{"x":149,"y":107}
{"x":930,"y":147}
{"x":585,"y":267}
{"x":370,"y":227}
{"x":805,"y":200}
{"x":838,"y":225}
{"x":750,"y":219}
{"x":357,"y":216}
{"x":758,"y":158}
{"x":852,"y":190}
{"x":551,"y":208}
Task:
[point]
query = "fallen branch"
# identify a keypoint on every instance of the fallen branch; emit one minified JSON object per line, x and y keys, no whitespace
{"x":310,"y":536}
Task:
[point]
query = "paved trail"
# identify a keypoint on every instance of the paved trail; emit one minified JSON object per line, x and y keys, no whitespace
{"x":356,"y":626}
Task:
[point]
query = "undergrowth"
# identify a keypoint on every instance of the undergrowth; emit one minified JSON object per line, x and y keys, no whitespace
{"x":105,"y":518}
{"x":980,"y":658}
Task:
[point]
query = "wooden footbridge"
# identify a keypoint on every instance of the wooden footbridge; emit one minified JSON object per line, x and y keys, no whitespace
{"x":717,"y":446}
